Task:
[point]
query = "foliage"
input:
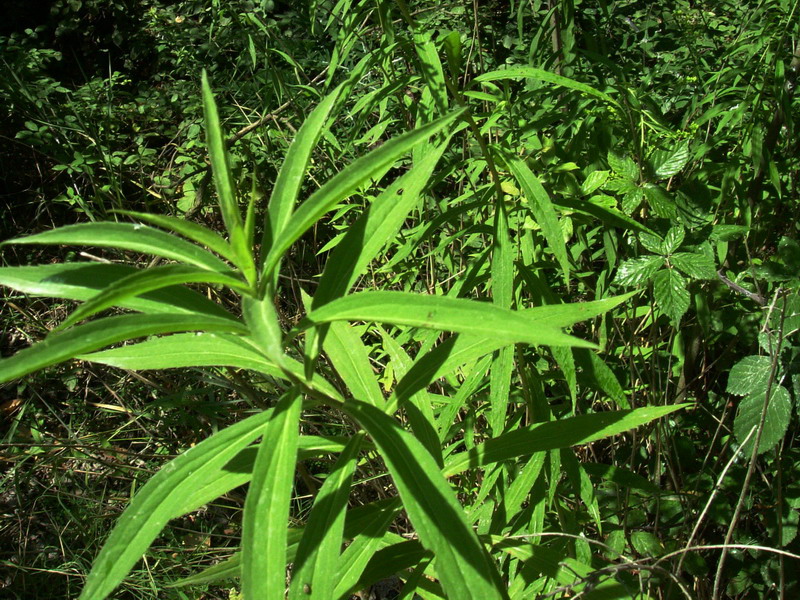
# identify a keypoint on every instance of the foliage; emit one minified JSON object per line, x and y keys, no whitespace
{"x":464,"y":267}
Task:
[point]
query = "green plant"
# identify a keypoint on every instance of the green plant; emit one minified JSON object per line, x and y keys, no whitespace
{"x":449,"y":549}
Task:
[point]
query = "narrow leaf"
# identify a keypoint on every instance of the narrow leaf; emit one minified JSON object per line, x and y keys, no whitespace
{"x":127,"y":236}
{"x":266,"y":509}
{"x":223,"y":180}
{"x":465,"y":569}
{"x":543,"y":210}
{"x":555,"y":435}
{"x":316,"y":562}
{"x":156,"y":502}
{"x":147,"y":280}
{"x":83,"y":280}
{"x":346,"y":182}
{"x":520,"y":72}
{"x":92,"y":336}
{"x":449,"y":314}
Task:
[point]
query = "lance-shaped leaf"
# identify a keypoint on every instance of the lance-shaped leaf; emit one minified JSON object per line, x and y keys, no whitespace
{"x":520,"y":72}
{"x":147,"y":280}
{"x":266,"y":509}
{"x":161,"y":499}
{"x":462,"y":564}
{"x":543,"y":210}
{"x":194,"y":231}
{"x":206,"y":350}
{"x":64,"y":345}
{"x":537,"y":326}
{"x":374,"y":229}
{"x":347,"y":182}
{"x":223,"y":180}
{"x":554,"y":435}
{"x":128,"y":236}
{"x":83,"y":280}
{"x":293,"y":169}
{"x":316,"y":562}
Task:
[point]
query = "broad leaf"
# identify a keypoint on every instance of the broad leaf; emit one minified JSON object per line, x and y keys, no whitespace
{"x":671,"y":295}
{"x":696,"y":265}
{"x":673,"y":239}
{"x":668,"y":163}
{"x":623,"y":166}
{"x":776,"y":421}
{"x":750,"y":376}
{"x":635,"y":272}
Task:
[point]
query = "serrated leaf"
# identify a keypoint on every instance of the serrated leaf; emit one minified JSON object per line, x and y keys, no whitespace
{"x":651,"y":242}
{"x":750,"y":376}
{"x":636,"y":271}
{"x":623,"y":166}
{"x":671,"y":295}
{"x":673,"y":239}
{"x":668,"y":163}
{"x":631,"y":200}
{"x":593,"y":181}
{"x":646,"y":544}
{"x":779,"y":412}
{"x":695,"y":264}
{"x":659,"y":200}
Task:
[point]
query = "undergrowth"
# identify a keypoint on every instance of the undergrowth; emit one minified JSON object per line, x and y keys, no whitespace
{"x":491,"y":300}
